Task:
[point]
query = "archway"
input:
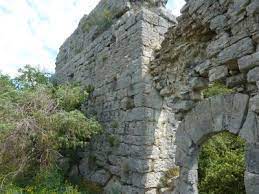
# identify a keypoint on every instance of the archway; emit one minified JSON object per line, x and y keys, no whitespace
{"x":209,"y":117}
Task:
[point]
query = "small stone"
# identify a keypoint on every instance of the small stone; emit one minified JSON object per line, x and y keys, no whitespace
{"x":253,"y":8}
{"x":253,"y":75}
{"x":252,"y":157}
{"x":203,"y":68}
{"x":218,"y":22}
{"x":235,"y":80}
{"x":218,"y":73}
{"x":101,"y":177}
{"x":199,"y":83}
{"x":251,"y":182}
{"x":254,"y":102}
{"x":248,"y":62}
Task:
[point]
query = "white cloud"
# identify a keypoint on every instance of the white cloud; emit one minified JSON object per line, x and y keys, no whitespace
{"x":175,"y":6}
{"x":32,"y":30}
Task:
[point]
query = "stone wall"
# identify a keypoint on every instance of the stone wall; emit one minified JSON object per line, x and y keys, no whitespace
{"x":214,"y":41}
{"x":145,"y":91}
{"x":136,"y":147}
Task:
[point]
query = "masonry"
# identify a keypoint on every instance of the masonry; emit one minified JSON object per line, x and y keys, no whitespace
{"x":148,"y":72}
{"x":128,"y":157}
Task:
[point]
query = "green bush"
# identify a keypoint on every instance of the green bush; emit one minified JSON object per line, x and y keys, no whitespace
{"x":216,"y":89}
{"x":102,"y":20}
{"x":38,"y":123}
{"x":222,"y":165}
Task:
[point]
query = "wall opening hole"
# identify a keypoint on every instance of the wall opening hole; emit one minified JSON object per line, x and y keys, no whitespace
{"x":222,"y":165}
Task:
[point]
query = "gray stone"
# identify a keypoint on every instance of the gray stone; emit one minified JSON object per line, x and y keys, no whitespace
{"x":218,"y":23}
{"x":251,"y":183}
{"x":248,"y":62}
{"x":135,"y":56}
{"x":101,"y":177}
{"x":235,"y":51}
{"x":253,"y":75}
{"x":236,"y":80}
{"x":203,"y":68}
{"x":198,"y":83}
{"x":248,"y":131}
{"x":254,"y":103}
{"x":218,"y":73}
{"x":252,"y":159}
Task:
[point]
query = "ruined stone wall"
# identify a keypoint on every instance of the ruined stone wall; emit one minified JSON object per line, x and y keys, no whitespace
{"x":145,"y":91}
{"x":136,"y":147}
{"x":214,"y":41}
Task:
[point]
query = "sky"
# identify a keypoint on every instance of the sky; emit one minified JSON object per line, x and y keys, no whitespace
{"x":33,"y":30}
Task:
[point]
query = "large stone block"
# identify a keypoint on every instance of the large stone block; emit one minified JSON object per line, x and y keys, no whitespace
{"x":252,"y":159}
{"x":254,"y":103}
{"x":218,"y":73}
{"x":236,"y":50}
{"x":248,"y":62}
{"x":250,"y":127}
{"x":253,"y":75}
{"x":251,"y":183}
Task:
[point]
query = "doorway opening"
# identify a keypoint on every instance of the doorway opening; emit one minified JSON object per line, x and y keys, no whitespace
{"x":221,"y":165}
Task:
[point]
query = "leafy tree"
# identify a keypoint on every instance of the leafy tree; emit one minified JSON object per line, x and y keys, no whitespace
{"x":30,"y":77}
{"x":38,"y":122}
{"x":222,"y":165}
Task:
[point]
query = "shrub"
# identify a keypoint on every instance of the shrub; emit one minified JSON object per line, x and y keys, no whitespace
{"x":216,"y":89}
{"x":113,"y":141}
{"x":39,"y":122}
{"x":102,"y":20}
{"x":222,"y":165}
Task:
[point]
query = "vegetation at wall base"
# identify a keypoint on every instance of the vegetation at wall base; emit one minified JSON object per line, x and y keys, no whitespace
{"x":38,"y":123}
{"x":222,"y":165}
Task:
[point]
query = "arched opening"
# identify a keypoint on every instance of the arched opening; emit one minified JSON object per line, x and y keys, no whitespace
{"x":209,"y":117}
{"x":221,"y":165}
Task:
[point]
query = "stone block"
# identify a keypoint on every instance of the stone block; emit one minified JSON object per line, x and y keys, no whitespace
{"x":101,"y":177}
{"x":254,"y":103}
{"x":218,"y":73}
{"x":236,"y":80}
{"x":248,"y":62}
{"x":203,"y":68}
{"x":252,"y":159}
{"x":218,"y":23}
{"x":236,"y":50}
{"x":251,"y":183}
{"x":199,"y":83}
{"x":253,"y":75}
{"x":248,"y":131}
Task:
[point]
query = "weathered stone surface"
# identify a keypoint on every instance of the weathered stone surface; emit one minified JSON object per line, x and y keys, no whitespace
{"x":236,"y":80}
{"x":203,"y":68}
{"x":253,"y":75}
{"x":198,"y":83}
{"x":237,"y":50}
{"x":252,"y":158}
{"x":218,"y":73}
{"x":254,"y":103}
{"x":251,"y":182}
{"x":248,"y":131}
{"x":248,"y":62}
{"x":213,"y":41}
{"x":101,"y":177}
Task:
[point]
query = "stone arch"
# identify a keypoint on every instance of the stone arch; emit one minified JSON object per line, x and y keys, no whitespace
{"x":209,"y":117}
